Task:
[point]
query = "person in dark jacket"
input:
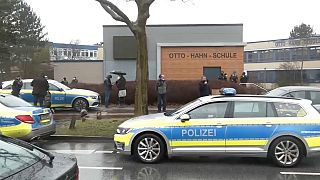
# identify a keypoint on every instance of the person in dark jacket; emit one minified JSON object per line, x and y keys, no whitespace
{"x":161,"y":89}
{"x":204,"y":87}
{"x":234,"y":77}
{"x":64,"y":81}
{"x":16,"y":86}
{"x":244,"y":78}
{"x":122,"y":93}
{"x":40,"y":87}
{"x":107,"y":90}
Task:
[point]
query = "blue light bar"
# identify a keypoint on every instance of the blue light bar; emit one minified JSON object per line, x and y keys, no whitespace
{"x":228,"y":91}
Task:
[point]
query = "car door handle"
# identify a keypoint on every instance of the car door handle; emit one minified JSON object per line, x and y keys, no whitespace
{"x":219,"y":125}
{"x":268,"y":124}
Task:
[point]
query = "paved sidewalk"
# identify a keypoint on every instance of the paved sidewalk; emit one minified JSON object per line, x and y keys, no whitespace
{"x":113,"y":111}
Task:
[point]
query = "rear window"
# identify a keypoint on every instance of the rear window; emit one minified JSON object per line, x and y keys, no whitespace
{"x":276,"y":92}
{"x":289,"y":110}
{"x":12,"y":101}
{"x":14,"y":158}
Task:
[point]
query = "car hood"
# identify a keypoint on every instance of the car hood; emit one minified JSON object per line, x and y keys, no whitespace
{"x":63,"y":167}
{"x":82,"y":92}
{"x":152,"y":120}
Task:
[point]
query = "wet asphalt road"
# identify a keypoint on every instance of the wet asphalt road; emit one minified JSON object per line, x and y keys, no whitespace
{"x":97,"y":161}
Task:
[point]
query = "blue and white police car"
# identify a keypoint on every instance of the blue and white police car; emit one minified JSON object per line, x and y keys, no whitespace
{"x":283,"y":129}
{"x":61,"y":96}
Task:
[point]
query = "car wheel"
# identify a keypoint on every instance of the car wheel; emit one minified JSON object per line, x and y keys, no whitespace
{"x":286,"y":152}
{"x":80,"y":104}
{"x":149,"y":148}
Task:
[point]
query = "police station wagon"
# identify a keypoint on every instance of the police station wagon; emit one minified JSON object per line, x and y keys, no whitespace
{"x":283,"y":129}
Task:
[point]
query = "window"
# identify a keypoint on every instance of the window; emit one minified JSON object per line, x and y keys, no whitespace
{"x":315,"y":97}
{"x":212,"y":110}
{"x":250,"y":109}
{"x":289,"y":110}
{"x":296,"y":94}
{"x":27,"y":85}
{"x":53,"y":87}
{"x":8,"y":87}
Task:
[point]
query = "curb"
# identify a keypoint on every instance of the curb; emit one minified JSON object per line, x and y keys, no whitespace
{"x":79,"y":138}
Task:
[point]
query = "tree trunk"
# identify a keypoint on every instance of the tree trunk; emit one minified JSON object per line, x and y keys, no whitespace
{"x":142,"y":73}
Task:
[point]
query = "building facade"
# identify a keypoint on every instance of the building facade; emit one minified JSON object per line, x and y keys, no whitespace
{"x":273,"y":61}
{"x":60,"y":51}
{"x":180,"y":52}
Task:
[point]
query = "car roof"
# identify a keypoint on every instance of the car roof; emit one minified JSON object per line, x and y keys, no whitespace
{"x":255,"y":97}
{"x":24,"y":80}
{"x":294,"y":88}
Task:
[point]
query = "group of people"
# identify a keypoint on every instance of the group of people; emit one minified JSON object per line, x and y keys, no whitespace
{"x":121,"y":85}
{"x":40,"y":89}
{"x":73,"y":82}
{"x":234,"y":77}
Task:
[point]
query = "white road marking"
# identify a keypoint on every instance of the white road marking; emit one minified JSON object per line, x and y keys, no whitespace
{"x":82,"y":151}
{"x":101,"y":168}
{"x":104,"y":152}
{"x":300,"y":173}
{"x":73,"y":151}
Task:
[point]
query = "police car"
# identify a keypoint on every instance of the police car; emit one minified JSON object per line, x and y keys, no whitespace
{"x":61,"y":95}
{"x":280,"y":128}
{"x":21,"y":120}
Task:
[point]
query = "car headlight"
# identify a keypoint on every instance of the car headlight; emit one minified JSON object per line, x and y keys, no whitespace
{"x":123,"y":130}
{"x":94,"y":97}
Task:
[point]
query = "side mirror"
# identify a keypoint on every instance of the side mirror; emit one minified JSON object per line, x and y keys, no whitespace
{"x":185,"y":118}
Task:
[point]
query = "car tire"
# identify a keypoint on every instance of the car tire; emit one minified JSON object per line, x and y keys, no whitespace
{"x":149,"y":148}
{"x":286,"y":152}
{"x":79,"y":104}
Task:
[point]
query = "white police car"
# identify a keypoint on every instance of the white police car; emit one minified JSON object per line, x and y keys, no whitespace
{"x":282,"y":129}
{"x":61,"y":95}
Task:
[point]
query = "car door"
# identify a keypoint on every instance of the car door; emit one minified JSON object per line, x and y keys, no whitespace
{"x":58,"y":96}
{"x":250,"y":126}
{"x":26,"y":92}
{"x":203,"y":132}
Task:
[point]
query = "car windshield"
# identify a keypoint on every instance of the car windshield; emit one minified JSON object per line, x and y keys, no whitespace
{"x":12,"y":101}
{"x":276,"y":92}
{"x":14,"y":159}
{"x":180,"y":109}
{"x":59,"y":85}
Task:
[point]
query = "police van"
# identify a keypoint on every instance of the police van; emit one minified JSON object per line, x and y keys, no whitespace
{"x":282,"y":129}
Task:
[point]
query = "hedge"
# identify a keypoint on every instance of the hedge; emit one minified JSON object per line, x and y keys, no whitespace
{"x":178,"y":92}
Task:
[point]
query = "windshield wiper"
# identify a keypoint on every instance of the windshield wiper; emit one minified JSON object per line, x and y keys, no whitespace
{"x":27,"y":146}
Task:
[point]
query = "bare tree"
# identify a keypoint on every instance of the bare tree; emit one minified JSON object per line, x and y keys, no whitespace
{"x":138,"y":28}
{"x":75,"y":50}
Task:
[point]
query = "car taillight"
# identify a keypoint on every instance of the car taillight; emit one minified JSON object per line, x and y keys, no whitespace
{"x":25,"y":118}
{"x":77,"y":173}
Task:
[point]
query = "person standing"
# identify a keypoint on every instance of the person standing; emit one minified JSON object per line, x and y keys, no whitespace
{"x":204,"y":87}
{"x":107,"y":90}
{"x":161,"y":89}
{"x":122,"y":93}
{"x":16,"y":86}
{"x":74,"y":81}
{"x":64,"y":81}
{"x":234,"y":77}
{"x":40,"y":87}
{"x":244,"y":78}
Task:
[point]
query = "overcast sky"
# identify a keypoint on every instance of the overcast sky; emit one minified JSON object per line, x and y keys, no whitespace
{"x":68,"y":20}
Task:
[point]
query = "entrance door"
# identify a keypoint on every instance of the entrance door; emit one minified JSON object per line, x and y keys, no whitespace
{"x":212,"y":72}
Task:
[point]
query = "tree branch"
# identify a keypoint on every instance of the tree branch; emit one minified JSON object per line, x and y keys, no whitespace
{"x":116,"y":13}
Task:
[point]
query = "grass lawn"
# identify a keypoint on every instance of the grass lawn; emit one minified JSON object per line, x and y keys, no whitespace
{"x":103,"y":127}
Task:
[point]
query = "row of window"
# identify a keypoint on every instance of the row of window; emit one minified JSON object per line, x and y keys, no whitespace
{"x":243,"y":109}
{"x":73,"y":53}
{"x":274,"y":55}
{"x":274,"y":76}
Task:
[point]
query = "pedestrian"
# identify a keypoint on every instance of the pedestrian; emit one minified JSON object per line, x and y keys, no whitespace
{"x":64,"y":81}
{"x":122,"y":92}
{"x":161,"y":89}
{"x":107,"y":90}
{"x":204,"y":87}
{"x":244,"y":78}
{"x":16,"y":86}
{"x":234,"y":77}
{"x":74,"y":81}
{"x":225,"y":77}
{"x":40,"y":87}
{"x":221,"y":76}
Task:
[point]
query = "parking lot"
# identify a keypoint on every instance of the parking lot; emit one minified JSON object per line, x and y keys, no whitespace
{"x":97,"y":160}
